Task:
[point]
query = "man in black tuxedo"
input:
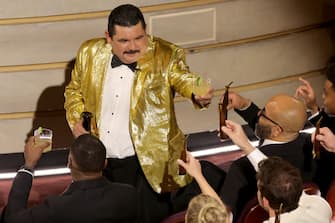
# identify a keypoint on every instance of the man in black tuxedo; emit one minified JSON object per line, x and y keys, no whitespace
{"x":89,"y":198}
{"x":325,"y":162}
{"x":277,"y":125}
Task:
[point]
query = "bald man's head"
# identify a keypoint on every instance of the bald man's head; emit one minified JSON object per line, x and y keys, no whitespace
{"x":287,"y":111}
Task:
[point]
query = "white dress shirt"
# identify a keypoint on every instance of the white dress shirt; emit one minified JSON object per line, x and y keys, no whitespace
{"x":114,"y":121}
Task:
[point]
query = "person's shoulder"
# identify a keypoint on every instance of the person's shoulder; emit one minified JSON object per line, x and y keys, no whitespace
{"x":93,"y":44}
{"x":121,"y":187}
{"x":315,"y":206}
{"x":243,"y":164}
{"x":312,"y":199}
{"x":164,"y":44}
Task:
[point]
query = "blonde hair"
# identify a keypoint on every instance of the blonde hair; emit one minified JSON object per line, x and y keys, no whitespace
{"x":206,"y":209}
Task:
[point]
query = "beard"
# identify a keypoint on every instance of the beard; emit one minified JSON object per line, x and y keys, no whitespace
{"x":262,"y":131}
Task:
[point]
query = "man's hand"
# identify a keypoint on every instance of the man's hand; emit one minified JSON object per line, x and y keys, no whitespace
{"x":33,"y":152}
{"x":326,"y":139}
{"x":236,"y":101}
{"x":206,"y":99}
{"x":237,"y":135}
{"x":306,"y":92}
{"x":78,"y":129}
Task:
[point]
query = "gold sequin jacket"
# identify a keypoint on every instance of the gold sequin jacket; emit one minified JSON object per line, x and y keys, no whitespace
{"x":161,"y":73}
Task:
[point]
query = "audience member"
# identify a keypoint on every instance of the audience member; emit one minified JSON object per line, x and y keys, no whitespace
{"x":280,"y":186}
{"x":89,"y":198}
{"x":206,"y":207}
{"x":326,"y":160}
{"x":277,"y":125}
{"x":280,"y":193}
{"x":128,"y":81}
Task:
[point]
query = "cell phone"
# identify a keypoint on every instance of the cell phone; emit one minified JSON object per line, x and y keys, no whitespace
{"x":87,"y":116}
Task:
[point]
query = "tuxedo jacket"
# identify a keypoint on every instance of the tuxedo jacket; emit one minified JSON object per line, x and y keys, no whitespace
{"x":160,"y":73}
{"x":240,"y":184}
{"x":325,"y":164}
{"x":87,"y":201}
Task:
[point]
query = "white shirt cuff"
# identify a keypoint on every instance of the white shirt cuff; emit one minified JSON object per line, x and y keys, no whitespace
{"x":255,"y":157}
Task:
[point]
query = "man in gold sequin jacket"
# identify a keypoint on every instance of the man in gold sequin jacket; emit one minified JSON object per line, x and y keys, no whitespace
{"x":160,"y":73}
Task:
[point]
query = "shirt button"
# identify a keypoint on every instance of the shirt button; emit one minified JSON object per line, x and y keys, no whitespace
{"x":117,"y":95}
{"x":108,"y":131}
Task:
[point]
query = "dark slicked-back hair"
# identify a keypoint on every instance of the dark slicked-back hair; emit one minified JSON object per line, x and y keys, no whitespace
{"x":330,"y":71}
{"x":89,"y":153}
{"x":125,"y":15}
{"x":280,"y":183}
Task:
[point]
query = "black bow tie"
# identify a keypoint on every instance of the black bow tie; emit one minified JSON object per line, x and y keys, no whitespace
{"x":117,"y":62}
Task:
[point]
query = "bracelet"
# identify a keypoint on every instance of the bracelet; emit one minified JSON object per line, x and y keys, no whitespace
{"x":26,"y":169}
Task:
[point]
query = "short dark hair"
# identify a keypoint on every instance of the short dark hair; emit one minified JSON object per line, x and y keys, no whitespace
{"x":89,"y":153}
{"x":330,"y":71}
{"x":125,"y":15}
{"x":280,"y":183}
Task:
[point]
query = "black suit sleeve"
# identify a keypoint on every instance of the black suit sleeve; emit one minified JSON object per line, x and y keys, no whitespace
{"x":16,"y":210}
{"x":250,"y":115}
{"x":239,"y":185}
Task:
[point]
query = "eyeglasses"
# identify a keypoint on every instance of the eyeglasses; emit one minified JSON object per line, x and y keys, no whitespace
{"x":262,"y":113}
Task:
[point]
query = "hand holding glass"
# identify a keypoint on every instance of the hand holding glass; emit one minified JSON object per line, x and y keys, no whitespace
{"x":201,"y":86}
{"x":43,"y":135}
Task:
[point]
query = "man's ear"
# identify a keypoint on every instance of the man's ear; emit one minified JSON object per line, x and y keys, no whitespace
{"x":69,"y":161}
{"x":266,"y":203}
{"x":105,"y":163}
{"x":276,"y":131}
{"x":108,"y":37}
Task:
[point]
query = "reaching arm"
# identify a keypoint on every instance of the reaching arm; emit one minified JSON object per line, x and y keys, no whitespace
{"x":16,"y":210}
{"x":237,"y":135}
{"x":193,"y":167}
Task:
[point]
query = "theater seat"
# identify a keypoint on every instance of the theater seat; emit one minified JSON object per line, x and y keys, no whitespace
{"x":253,"y":213}
{"x":42,"y":187}
{"x":176,"y":218}
{"x":311,"y":188}
{"x":331,"y":198}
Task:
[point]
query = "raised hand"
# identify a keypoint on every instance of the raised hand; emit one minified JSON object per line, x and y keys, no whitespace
{"x":307,"y":93}
{"x":33,"y":151}
{"x":236,"y":101}
{"x":237,"y":135}
{"x":326,"y":138}
{"x":78,"y":129}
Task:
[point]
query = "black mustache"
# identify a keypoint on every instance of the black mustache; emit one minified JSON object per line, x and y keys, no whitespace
{"x":131,"y":51}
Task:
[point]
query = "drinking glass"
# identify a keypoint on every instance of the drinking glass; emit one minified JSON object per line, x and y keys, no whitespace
{"x":201,"y":85}
{"x":43,"y":135}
